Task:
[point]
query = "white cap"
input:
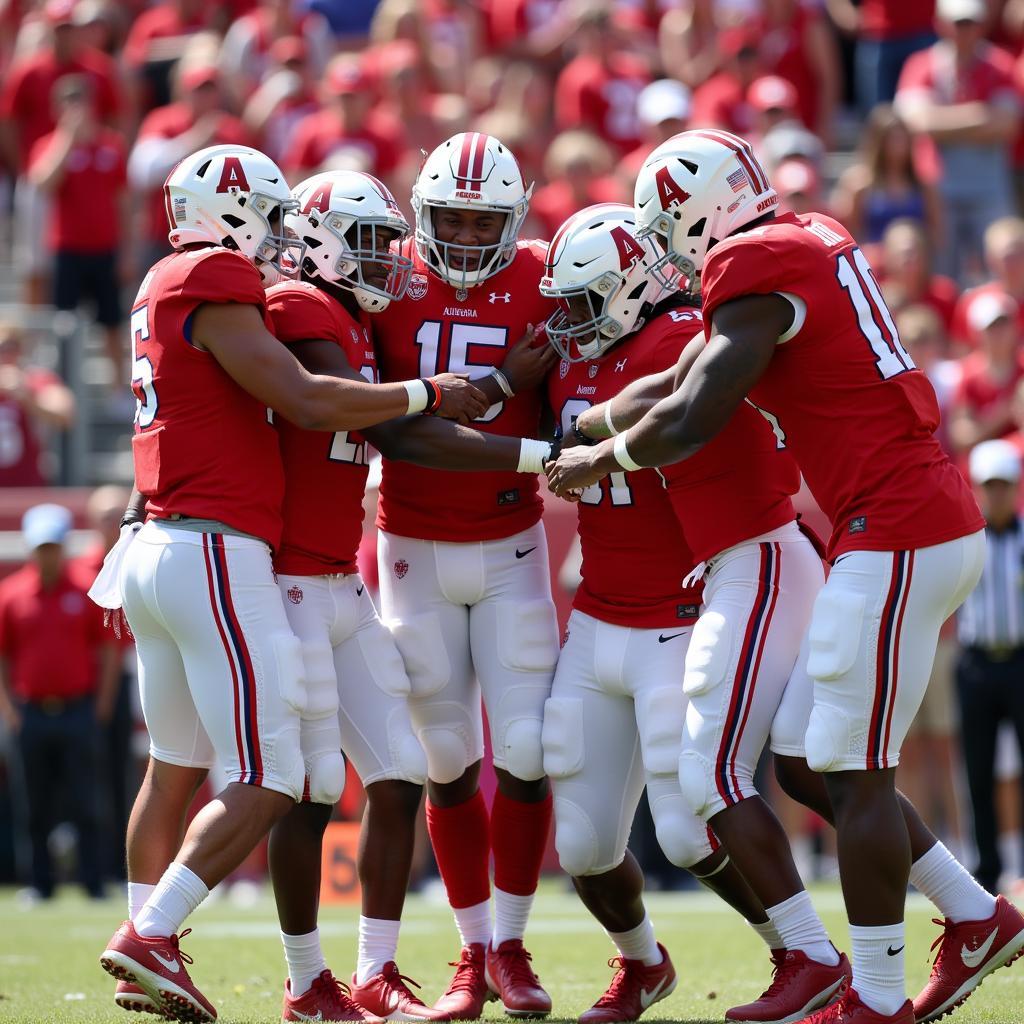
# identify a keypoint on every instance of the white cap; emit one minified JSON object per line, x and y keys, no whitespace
{"x":961,"y":10}
{"x":995,"y":460}
{"x":45,"y":524}
{"x":663,"y":100}
{"x":988,"y":307}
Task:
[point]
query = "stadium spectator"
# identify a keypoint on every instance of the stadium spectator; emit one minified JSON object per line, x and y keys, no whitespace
{"x":688,"y":39}
{"x":774,"y":101}
{"x":883,"y":185}
{"x":343,"y":132}
{"x":598,"y":88}
{"x":923,"y":335}
{"x":578,"y":168}
{"x":26,"y":115}
{"x":1004,"y":261}
{"x":959,"y":96}
{"x":58,"y":672}
{"x":663,"y":108}
{"x":532,"y":29}
{"x":980,"y":410}
{"x":887,"y":32}
{"x":799,"y":187}
{"x":721,"y":100}
{"x":167,"y":134}
{"x":32,"y":402}
{"x":81,"y":166}
{"x":991,"y":630}
{"x":906,"y":271}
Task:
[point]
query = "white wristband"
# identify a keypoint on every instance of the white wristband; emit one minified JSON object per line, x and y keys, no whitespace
{"x":417,"y":392}
{"x":622,"y":456}
{"x":503,"y":383}
{"x":608,"y":418}
{"x":533,"y":455}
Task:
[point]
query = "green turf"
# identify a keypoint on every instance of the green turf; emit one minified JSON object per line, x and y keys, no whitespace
{"x":49,"y":970}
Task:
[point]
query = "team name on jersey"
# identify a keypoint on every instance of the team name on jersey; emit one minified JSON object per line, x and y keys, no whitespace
{"x":584,"y":390}
{"x":460,"y":311}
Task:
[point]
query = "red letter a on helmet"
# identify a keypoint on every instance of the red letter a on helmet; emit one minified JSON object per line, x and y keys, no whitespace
{"x":669,"y":190}
{"x":320,"y":199}
{"x":630,"y":250}
{"x":232,"y":176}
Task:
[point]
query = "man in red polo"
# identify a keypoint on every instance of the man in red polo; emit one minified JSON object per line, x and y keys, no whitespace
{"x":58,"y":672}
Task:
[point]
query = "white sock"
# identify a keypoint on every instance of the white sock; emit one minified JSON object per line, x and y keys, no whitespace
{"x":878,"y":974}
{"x":378,"y":943}
{"x":638,"y":943}
{"x":138,"y":893}
{"x":799,"y":927}
{"x":176,"y":895}
{"x":950,"y":886}
{"x":305,"y":959}
{"x":474,"y":923}
{"x":769,"y":934}
{"x":511,"y":913}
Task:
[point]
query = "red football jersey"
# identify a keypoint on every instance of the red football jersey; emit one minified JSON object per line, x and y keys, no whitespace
{"x":635,"y":554}
{"x":844,"y":394}
{"x":432,"y":331}
{"x":324,"y":474}
{"x":203,"y":447}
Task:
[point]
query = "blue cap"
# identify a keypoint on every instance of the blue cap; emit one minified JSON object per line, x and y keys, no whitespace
{"x":45,"y":524}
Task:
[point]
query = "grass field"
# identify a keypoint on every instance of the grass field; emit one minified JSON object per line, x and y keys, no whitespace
{"x":49,"y":970}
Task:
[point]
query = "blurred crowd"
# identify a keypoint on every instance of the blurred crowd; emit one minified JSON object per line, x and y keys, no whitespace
{"x":900,"y":117}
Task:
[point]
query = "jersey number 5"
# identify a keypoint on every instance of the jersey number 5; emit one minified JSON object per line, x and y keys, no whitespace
{"x":873,"y":314}
{"x":142,"y":371}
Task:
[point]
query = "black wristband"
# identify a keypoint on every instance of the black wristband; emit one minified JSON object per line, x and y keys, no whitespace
{"x":580,"y":436}
{"x":556,"y":448}
{"x":433,"y":395}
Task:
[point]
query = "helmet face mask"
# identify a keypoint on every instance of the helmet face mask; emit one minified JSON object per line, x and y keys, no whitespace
{"x":469,"y":173}
{"x":349,"y":222}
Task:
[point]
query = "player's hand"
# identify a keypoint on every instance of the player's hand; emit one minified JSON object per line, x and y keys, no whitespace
{"x":527,"y":364}
{"x":579,"y":467}
{"x":460,"y":400}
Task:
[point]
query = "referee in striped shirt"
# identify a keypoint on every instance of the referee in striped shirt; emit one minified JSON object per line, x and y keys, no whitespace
{"x":990,"y":672}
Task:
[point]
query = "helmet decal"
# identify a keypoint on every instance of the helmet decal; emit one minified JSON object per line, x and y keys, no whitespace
{"x":669,"y":191}
{"x":630,"y":250}
{"x":232,"y":176}
{"x":319,"y":198}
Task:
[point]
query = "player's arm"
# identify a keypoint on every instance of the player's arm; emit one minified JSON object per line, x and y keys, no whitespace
{"x":745,"y":332}
{"x":424,"y":440}
{"x":236,"y":337}
{"x":636,"y":399}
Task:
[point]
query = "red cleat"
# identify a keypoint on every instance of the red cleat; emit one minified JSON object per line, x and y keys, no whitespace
{"x":327,"y":999}
{"x":386,"y":995}
{"x":134,"y":999}
{"x":511,"y":978}
{"x":799,"y":986}
{"x":634,"y":988}
{"x":467,"y":991}
{"x":968,"y":953}
{"x":850,"y":1010}
{"x":157,"y":966}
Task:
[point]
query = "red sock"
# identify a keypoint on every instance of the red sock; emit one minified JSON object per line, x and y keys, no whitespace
{"x":461,"y":839}
{"x":519,"y":835}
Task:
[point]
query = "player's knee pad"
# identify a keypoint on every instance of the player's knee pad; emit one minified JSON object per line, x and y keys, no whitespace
{"x":576,"y":839}
{"x":828,"y":736}
{"x":696,"y":782}
{"x":323,"y":762}
{"x":834,"y":635}
{"x":448,"y":752}
{"x":527,"y":635}
{"x":562,"y":737}
{"x":408,"y":758}
{"x":290,"y":668}
{"x":420,"y":642}
{"x":661,"y":715}
{"x":524,"y":751}
{"x":682,"y":835}
{"x":709,"y":653}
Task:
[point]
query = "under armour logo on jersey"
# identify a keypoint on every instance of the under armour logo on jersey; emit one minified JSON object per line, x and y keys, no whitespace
{"x":630,"y":250}
{"x":320,"y":198}
{"x":669,"y":190}
{"x":401,"y":568}
{"x":295,"y":595}
{"x":232,"y":176}
{"x":620,"y":365}
{"x":497,"y":297}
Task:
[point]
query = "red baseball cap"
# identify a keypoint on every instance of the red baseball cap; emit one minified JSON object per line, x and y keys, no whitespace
{"x":795,"y":176}
{"x":202,"y":74}
{"x":59,"y":12}
{"x":770,"y":92}
{"x":346,"y":77}
{"x":288,"y":48}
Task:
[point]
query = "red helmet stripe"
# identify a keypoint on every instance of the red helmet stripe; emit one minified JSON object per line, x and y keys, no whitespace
{"x":478,"y":157}
{"x":467,"y":146}
{"x":168,"y":206}
{"x":758,"y":179}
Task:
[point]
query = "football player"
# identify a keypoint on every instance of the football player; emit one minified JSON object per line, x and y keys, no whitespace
{"x":799,"y":327}
{"x":220,"y":671}
{"x":633,"y":631}
{"x":464,"y":566}
{"x":348,"y":222}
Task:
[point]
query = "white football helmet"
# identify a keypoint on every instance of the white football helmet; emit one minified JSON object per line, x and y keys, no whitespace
{"x":348,"y":220}
{"x":227,"y":195}
{"x":599,"y":273}
{"x":471,"y":171}
{"x":696,"y":189}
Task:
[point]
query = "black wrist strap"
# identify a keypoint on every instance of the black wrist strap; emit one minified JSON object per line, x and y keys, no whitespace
{"x":580,"y":436}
